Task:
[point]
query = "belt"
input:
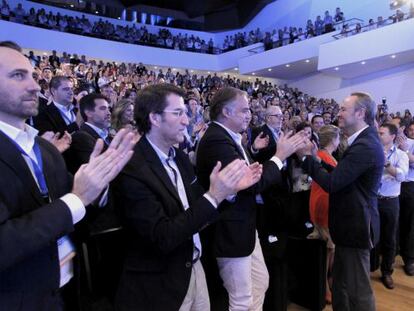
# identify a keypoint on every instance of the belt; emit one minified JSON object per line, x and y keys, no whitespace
{"x":380,"y":197}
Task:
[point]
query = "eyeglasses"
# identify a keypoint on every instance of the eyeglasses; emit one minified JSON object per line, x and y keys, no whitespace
{"x":177,"y":113}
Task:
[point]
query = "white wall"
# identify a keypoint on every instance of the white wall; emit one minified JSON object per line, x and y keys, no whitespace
{"x":396,"y":84}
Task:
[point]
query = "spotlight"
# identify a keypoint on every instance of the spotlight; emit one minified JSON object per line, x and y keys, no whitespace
{"x":287,"y":65}
{"x":254,"y":73}
{"x":307,"y":61}
{"x":336,"y":68}
{"x":393,"y":56}
{"x":270,"y":69}
{"x":363,"y":62}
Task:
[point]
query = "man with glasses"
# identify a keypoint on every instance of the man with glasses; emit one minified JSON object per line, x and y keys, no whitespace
{"x":271,"y":219}
{"x":270,"y":130}
{"x":162,"y":208}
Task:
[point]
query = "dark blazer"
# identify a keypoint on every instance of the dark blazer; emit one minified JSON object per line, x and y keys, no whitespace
{"x":272,"y":218}
{"x":29,"y":227}
{"x":50,"y":119}
{"x":234,"y":233}
{"x":352,"y":188}
{"x":266,"y":153}
{"x":83,"y":142}
{"x":158,"y":262}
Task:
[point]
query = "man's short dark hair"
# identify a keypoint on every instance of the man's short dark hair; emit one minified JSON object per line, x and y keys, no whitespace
{"x":87,"y":102}
{"x":365,"y":101}
{"x":152,"y":99}
{"x":316,"y":116}
{"x":391,"y":128}
{"x":56,"y":81}
{"x":223,"y":97}
{"x":11,"y":45}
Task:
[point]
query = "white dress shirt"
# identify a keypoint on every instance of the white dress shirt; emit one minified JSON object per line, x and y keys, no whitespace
{"x":354,"y":136}
{"x":26,"y":140}
{"x":67,"y":113}
{"x":390,"y":185}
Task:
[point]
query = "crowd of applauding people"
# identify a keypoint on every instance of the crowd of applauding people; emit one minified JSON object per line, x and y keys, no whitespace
{"x":124,"y":188}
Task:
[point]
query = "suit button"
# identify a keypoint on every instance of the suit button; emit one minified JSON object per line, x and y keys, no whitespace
{"x":188,"y":264}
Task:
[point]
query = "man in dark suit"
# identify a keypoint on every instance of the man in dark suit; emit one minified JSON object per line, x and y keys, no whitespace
{"x":94,"y":109}
{"x":272,"y":130}
{"x":60,"y":115}
{"x":353,"y":211}
{"x":39,"y":202}
{"x":100,"y":232}
{"x":163,"y":209}
{"x":272,"y":217}
{"x":233,"y":239}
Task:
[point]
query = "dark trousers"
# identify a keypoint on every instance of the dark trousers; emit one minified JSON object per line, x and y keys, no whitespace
{"x":407,"y":222}
{"x":351,"y":288}
{"x":389,"y":210}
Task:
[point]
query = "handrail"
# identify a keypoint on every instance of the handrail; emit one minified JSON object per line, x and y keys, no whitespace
{"x":372,"y":26}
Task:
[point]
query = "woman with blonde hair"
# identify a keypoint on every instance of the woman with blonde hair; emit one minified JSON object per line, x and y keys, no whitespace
{"x":319,"y":200}
{"x":123,"y":117}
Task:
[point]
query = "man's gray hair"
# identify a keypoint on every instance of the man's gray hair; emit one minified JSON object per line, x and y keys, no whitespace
{"x":365,"y":101}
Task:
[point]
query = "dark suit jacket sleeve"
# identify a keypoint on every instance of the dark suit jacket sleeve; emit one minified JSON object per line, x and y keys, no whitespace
{"x":220,"y":148}
{"x":144,"y":212}
{"x":359,"y":158}
{"x":23,"y":236}
{"x":81,"y":148}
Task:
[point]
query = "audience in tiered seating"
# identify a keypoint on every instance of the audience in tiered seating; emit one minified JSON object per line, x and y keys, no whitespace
{"x":184,"y":42}
{"x":66,"y":110}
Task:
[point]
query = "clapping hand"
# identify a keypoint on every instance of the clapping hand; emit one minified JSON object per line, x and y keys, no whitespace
{"x":261,"y":141}
{"x":289,"y":144}
{"x":234,"y":177}
{"x":93,"y":177}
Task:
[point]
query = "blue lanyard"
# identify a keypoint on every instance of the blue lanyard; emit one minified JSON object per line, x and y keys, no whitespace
{"x":37,"y":167}
{"x":392,"y":151}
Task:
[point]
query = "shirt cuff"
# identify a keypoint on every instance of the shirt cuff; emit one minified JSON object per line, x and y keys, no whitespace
{"x":76,"y":207}
{"x":277,"y":161}
{"x":211,"y":200}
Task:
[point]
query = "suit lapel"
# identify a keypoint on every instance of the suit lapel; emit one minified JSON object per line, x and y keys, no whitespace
{"x":156,"y":166}
{"x":185,"y":177}
{"x":56,"y":117}
{"x":12,"y":157}
{"x":85,"y":127}
{"x":230,"y":139}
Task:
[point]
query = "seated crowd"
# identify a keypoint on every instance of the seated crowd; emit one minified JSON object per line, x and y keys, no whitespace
{"x":104,"y":29}
{"x":215,"y":158}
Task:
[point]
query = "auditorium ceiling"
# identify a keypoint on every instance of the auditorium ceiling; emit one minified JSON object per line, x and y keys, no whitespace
{"x":215,"y":15}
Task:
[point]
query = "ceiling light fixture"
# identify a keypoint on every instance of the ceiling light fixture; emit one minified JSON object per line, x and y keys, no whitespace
{"x":336,"y":68}
{"x":270,"y":69}
{"x":363,"y":63}
{"x":287,"y":65}
{"x":307,"y":61}
{"x":393,"y":56}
